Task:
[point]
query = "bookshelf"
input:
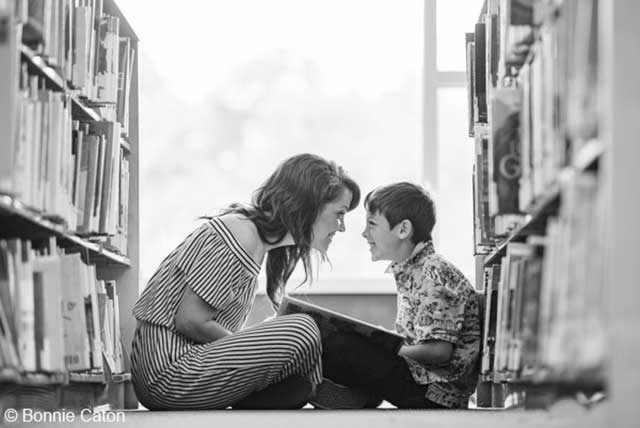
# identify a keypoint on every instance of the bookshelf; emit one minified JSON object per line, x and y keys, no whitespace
{"x":542,"y":184}
{"x":35,"y":225}
{"x":69,"y":233}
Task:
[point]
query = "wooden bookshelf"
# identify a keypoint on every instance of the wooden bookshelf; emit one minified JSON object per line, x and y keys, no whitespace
{"x":98,"y":378}
{"x":39,"y":65}
{"x":547,"y":203}
{"x":534,"y":223}
{"x":87,"y":377}
{"x":32,"y":379}
{"x":31,"y":222}
{"x":557,"y":248}
{"x":39,"y":379}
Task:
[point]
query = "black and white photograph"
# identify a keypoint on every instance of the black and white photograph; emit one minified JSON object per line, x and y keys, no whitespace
{"x":345,"y":213}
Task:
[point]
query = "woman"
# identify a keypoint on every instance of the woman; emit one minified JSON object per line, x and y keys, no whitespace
{"x":189,"y":349}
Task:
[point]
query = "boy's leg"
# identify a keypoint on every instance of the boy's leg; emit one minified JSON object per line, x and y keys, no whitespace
{"x":349,"y":359}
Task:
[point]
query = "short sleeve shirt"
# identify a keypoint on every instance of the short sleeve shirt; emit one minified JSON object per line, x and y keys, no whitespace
{"x":436,"y":302}
{"x":216,"y":267}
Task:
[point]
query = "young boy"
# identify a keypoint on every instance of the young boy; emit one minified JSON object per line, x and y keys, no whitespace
{"x":438,"y":314}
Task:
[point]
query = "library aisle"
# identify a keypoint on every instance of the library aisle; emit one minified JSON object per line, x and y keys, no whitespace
{"x":554,"y":115}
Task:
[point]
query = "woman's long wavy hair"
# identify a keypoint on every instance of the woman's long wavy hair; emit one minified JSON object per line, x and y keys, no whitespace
{"x":289,"y":201}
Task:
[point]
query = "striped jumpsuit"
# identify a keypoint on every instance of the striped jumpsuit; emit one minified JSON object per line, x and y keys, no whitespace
{"x":170,"y":371}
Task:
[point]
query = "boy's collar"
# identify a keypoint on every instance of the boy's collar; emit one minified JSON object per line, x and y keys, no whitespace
{"x":424,"y":246}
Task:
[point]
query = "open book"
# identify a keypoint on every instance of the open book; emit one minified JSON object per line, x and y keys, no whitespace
{"x":329,"y":321}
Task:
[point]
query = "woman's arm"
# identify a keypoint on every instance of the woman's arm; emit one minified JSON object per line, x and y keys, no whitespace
{"x":194,"y":319}
{"x":430,"y":352}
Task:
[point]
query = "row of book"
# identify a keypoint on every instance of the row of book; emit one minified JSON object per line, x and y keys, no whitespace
{"x":559,"y":96}
{"x":74,"y":171}
{"x":493,"y":112}
{"x":62,"y":165}
{"x":532,"y":79}
{"x":497,"y":171}
{"x":83,"y":42}
{"x":544,"y":299}
{"x":55,"y":314}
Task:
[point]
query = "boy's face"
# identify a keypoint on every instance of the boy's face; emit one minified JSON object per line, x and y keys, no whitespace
{"x":384,"y":242}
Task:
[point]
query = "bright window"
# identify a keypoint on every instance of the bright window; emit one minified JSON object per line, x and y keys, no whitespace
{"x":454,"y":19}
{"x":454,"y":228}
{"x":454,"y":225}
{"x":229,"y":89}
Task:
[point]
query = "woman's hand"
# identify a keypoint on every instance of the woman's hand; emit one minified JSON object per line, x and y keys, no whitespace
{"x":194,"y":319}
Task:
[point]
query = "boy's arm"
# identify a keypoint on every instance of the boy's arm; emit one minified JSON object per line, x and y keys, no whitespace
{"x":431,"y":352}
{"x":437,"y":320}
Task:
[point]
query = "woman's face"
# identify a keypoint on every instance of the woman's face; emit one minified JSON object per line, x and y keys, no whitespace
{"x":330,"y":220}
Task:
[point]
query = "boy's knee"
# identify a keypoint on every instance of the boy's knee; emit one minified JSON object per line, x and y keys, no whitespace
{"x":339,"y":342}
{"x":343,"y":350}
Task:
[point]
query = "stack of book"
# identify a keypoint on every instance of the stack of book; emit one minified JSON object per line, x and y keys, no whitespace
{"x":83,"y":43}
{"x":68,"y":141}
{"x":532,"y":80}
{"x":56,"y":316}
{"x":494,"y":124}
{"x":71,"y":168}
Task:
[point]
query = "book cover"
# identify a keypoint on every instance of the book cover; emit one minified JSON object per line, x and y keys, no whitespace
{"x":493,"y":50}
{"x":76,"y":153}
{"x":76,"y":339}
{"x":114,"y":304}
{"x":48,"y":308}
{"x":487,"y":341}
{"x":97,"y":203}
{"x":108,"y":214}
{"x":105,"y":312}
{"x":7,"y":317}
{"x":499,"y":363}
{"x":81,"y":47}
{"x":10,"y":36}
{"x":93,"y":316}
{"x":329,"y":322}
{"x":88,"y":179}
{"x":530,"y":310}
{"x":25,"y":305}
{"x":470,"y":51}
{"x":505,"y":106}
{"x":123,"y":83}
{"x":480,"y":73}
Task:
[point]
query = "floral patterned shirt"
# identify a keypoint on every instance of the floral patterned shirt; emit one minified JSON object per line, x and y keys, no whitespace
{"x":436,"y":302}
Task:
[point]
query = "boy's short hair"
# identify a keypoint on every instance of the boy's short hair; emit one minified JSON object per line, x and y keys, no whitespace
{"x":400,"y":201}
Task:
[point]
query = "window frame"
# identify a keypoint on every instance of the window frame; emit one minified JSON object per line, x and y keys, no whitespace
{"x":432,"y":80}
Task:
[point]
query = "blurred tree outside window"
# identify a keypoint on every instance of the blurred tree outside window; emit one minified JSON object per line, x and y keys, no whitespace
{"x":230,"y":89}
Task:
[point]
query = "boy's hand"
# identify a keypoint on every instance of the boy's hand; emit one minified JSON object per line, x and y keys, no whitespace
{"x":432,"y":352}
